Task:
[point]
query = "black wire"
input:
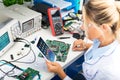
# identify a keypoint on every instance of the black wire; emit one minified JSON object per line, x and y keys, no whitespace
{"x":39,"y":77}
{"x":10,"y":71}
{"x":7,"y":73}
{"x":4,"y":63}
{"x":9,"y":62}
{"x":20,"y":40}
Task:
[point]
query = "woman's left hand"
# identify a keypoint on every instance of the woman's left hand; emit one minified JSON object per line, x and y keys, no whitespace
{"x":53,"y":66}
{"x":56,"y":68}
{"x":78,"y":45}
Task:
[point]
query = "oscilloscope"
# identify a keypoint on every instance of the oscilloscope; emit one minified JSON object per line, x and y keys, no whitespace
{"x":29,"y":20}
{"x":6,"y":36}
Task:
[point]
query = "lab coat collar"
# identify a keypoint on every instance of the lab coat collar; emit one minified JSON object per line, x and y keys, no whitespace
{"x":89,"y":52}
{"x":108,"y":52}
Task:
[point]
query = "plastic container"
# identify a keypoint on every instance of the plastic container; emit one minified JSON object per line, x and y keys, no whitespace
{"x":75,"y":4}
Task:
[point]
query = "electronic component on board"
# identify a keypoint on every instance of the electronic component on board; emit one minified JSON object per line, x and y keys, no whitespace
{"x":28,"y":74}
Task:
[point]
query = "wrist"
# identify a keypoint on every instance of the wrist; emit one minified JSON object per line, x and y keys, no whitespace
{"x":87,"y":45}
{"x":62,"y":74}
{"x":84,"y":46}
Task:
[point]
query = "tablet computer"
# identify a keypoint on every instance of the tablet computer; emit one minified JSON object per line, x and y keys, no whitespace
{"x":46,"y":52}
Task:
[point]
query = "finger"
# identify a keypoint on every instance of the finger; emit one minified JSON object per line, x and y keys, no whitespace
{"x":48,"y":62}
{"x":78,"y":49}
{"x":74,"y":45}
{"x":51,"y":63}
{"x":49,"y":66}
{"x":77,"y":46}
{"x":77,"y":42}
{"x":54,"y":63}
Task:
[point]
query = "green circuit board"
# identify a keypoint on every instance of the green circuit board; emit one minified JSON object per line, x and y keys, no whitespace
{"x":28,"y":74}
{"x":60,"y":49}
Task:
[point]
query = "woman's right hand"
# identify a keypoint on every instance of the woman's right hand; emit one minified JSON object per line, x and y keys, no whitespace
{"x":79,"y":45}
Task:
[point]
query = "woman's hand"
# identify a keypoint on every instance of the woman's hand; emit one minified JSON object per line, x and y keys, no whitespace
{"x":79,"y":45}
{"x":53,"y":66}
{"x":56,"y":68}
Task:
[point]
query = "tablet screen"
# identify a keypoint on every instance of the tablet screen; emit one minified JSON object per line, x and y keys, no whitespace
{"x":45,"y":50}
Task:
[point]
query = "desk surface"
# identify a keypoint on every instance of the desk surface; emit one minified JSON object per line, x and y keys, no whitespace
{"x":40,"y":64}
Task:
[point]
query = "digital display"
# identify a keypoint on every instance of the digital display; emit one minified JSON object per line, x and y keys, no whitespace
{"x":46,"y":52}
{"x":27,"y":25}
{"x":4,"y":40}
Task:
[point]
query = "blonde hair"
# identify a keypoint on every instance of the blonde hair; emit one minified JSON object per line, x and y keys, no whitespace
{"x":104,"y":12}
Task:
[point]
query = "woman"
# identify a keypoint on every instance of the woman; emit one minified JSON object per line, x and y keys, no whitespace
{"x":101,"y":24}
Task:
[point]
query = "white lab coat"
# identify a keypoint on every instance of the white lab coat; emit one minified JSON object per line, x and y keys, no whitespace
{"x":104,"y":64}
